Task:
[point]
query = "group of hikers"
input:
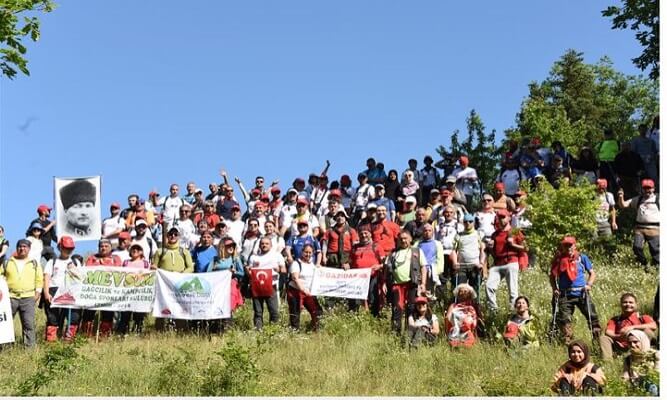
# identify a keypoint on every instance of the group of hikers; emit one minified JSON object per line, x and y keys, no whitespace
{"x":428,"y":237}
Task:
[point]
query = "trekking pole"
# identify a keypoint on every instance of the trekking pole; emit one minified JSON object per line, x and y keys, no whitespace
{"x":588,"y":308}
{"x":554,"y":310}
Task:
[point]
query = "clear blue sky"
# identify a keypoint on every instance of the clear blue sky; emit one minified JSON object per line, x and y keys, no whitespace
{"x":146,"y":93}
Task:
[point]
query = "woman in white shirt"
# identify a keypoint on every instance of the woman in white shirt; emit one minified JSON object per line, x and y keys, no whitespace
{"x":298,"y":291}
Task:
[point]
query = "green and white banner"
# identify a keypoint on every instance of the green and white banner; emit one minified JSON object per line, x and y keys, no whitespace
{"x":107,"y":288}
{"x":193,"y":296}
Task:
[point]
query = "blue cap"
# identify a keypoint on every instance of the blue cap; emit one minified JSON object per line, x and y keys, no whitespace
{"x":469,"y":218}
{"x":36,"y":225}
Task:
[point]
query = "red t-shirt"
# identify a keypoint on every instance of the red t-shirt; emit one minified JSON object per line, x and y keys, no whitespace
{"x":363,"y":256}
{"x":385,"y":235}
{"x":331,"y":237}
{"x":618,"y":323}
{"x":502,"y":252}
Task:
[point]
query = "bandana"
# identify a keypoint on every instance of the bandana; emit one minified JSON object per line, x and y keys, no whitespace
{"x":565,"y":264}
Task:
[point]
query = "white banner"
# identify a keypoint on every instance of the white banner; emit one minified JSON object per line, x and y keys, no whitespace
{"x":6,"y":322}
{"x":193,"y":296}
{"x":78,"y":208}
{"x":334,"y":282}
{"x":107,"y":288}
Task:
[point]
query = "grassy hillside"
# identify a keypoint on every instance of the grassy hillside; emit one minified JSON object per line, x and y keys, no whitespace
{"x":351,"y":355}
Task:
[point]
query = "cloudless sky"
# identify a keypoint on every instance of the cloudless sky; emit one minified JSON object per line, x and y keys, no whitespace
{"x":146,"y":93}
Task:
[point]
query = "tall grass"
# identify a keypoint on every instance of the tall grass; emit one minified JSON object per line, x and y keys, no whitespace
{"x":353,"y":354}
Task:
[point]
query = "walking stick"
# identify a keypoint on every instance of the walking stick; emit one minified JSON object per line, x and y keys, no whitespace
{"x":588,"y":308}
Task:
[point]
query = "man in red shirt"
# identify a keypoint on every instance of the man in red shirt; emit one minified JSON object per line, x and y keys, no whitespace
{"x":385,"y":233}
{"x":505,"y":250}
{"x":103,"y":257}
{"x":338,"y":241}
{"x":618,"y":327}
{"x":367,"y":254}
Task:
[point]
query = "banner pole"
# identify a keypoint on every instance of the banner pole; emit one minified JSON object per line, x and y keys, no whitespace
{"x":97,"y":331}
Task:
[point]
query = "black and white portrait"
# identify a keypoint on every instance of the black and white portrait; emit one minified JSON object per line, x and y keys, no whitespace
{"x":78,"y":208}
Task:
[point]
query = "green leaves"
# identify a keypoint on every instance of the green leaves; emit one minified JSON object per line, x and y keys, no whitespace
{"x":644,"y":18}
{"x":578,"y":101}
{"x":12,"y":51}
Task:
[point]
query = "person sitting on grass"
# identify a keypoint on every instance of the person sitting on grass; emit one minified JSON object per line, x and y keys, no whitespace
{"x":423,"y":326}
{"x":614,"y":338}
{"x":520,"y":330}
{"x":461,"y":317}
{"x":641,"y":361}
{"x":578,"y":375}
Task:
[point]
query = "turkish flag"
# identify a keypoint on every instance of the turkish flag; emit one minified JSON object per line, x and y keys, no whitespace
{"x":261,"y":282}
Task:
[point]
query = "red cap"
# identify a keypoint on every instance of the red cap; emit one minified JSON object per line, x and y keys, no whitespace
{"x":43,"y":207}
{"x":464,"y":161}
{"x":569,"y":240}
{"x":503,"y":212}
{"x":421,"y":300}
{"x":445,"y":192}
{"x":334,"y":193}
{"x":115,"y":204}
{"x":648,"y":183}
{"x":66,"y":242}
{"x":152,"y":193}
{"x":275,"y":189}
{"x":124,"y":235}
{"x":255,"y":191}
{"x":499,"y":186}
{"x":302,"y":200}
{"x":236,"y":207}
{"x":536,"y":141}
{"x":602,"y":183}
{"x":264,"y":197}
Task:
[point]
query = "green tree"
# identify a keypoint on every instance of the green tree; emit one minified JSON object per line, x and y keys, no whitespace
{"x":12,"y":51}
{"x":479,"y":146}
{"x":578,"y":101}
{"x":642,"y":16}
{"x":570,"y":210}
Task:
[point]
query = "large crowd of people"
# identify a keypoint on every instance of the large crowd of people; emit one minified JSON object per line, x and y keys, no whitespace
{"x":429,"y":235}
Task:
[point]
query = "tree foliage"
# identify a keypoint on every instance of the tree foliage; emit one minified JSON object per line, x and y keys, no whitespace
{"x":479,"y":146}
{"x":14,"y":26}
{"x":643,"y":17}
{"x":578,"y":101}
{"x":569,"y":210}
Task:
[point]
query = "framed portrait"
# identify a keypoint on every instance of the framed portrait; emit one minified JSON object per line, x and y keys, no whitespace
{"x":78,"y":208}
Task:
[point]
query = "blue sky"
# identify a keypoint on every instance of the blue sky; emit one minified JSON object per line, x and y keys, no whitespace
{"x":146,"y":93}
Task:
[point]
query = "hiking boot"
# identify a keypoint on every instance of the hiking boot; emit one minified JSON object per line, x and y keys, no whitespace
{"x":51,"y":333}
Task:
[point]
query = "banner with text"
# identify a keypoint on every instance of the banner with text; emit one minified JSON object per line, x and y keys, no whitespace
{"x":107,"y":288}
{"x":334,"y":282}
{"x":193,"y":296}
{"x":6,"y":321}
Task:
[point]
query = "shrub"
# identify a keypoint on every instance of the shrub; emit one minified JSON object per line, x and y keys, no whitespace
{"x":569,"y":210}
{"x":236,"y":374}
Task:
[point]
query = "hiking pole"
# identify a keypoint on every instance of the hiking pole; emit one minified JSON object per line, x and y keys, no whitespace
{"x":588,"y":308}
{"x":554,"y":310}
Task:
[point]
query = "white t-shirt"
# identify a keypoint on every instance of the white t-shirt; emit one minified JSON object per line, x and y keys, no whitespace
{"x":511,"y":178}
{"x":170,"y":208}
{"x":36,"y":247}
{"x":123,"y":254}
{"x":306,"y":273}
{"x":149,"y":250}
{"x":446,"y":233}
{"x":113,"y":224}
{"x":235,"y":230}
{"x":287,"y":213}
{"x":187,"y":230}
{"x":271,"y":260}
{"x":486,"y":220}
{"x":423,"y":322}
{"x":57,"y":269}
{"x":607,"y":202}
{"x":363,"y":195}
{"x":467,"y":187}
